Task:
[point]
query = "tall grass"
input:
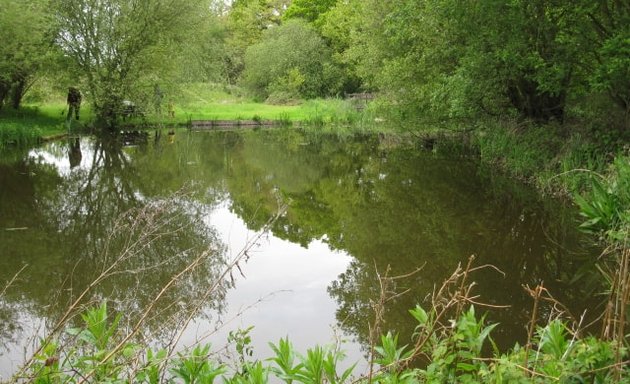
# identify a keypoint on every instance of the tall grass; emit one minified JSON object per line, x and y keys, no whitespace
{"x":211,"y":102}
{"x":12,"y":134}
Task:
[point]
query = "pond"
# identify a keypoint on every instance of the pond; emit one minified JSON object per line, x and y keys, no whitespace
{"x":306,"y":221}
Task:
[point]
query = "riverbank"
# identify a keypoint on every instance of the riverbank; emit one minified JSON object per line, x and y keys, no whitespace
{"x":571,"y":160}
{"x":34,"y":123}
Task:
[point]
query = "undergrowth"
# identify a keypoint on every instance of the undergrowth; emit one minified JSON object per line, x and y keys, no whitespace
{"x":448,"y":346}
{"x":454,"y":355}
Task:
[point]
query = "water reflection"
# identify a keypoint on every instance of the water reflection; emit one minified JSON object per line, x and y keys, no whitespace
{"x":367,"y":201}
{"x":74,"y":152}
{"x":95,"y":222}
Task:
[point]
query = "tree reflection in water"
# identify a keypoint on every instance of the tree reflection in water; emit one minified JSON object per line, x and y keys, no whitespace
{"x":380,"y":201}
{"x":106,"y":236}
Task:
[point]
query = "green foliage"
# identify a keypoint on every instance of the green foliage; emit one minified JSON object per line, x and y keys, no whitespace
{"x":610,"y":54}
{"x":248,"y":19}
{"x":318,"y":365}
{"x":309,"y":10}
{"x":242,"y":343}
{"x":98,"y":331}
{"x":446,"y":59}
{"x":285,"y":360}
{"x":524,"y":153}
{"x":123,"y":48}
{"x":18,"y":134}
{"x":455,"y":355}
{"x":152,"y":370}
{"x":606,"y":206}
{"x":245,"y":22}
{"x":286,"y":89}
{"x":196,"y":367}
{"x":306,"y":67}
{"x":25,"y":31}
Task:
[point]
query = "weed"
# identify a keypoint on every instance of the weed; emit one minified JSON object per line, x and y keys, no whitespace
{"x":455,"y":356}
{"x":284,"y":120}
{"x":606,"y":207}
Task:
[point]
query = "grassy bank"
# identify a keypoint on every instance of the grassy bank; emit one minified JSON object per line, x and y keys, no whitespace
{"x":32,"y":123}
{"x":570,"y":160}
{"x":207,"y":102}
{"x":196,"y":102}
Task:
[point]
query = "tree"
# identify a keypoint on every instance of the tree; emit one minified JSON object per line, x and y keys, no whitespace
{"x":291,"y":58}
{"x":354,"y":30}
{"x":123,"y":47}
{"x":610,"y":53}
{"x":309,"y":10}
{"x":246,"y":21}
{"x":25,"y":32}
{"x":535,"y":59}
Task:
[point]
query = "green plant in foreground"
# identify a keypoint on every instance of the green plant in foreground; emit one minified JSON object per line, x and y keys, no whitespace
{"x":196,"y":366}
{"x":242,"y":343}
{"x":285,"y":360}
{"x":93,"y":354}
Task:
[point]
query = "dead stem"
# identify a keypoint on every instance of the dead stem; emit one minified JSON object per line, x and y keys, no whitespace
{"x":535,"y":294}
{"x":7,"y":285}
{"x":243,"y":254}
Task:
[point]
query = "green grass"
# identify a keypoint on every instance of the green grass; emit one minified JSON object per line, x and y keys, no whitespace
{"x":32,"y":123}
{"x":207,"y":102}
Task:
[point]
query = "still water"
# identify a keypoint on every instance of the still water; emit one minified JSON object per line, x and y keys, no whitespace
{"x":135,"y":212}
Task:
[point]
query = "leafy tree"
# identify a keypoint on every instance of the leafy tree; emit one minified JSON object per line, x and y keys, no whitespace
{"x":122,"y":46}
{"x":309,"y":10}
{"x":353,"y":29}
{"x":446,"y":58}
{"x":246,"y":21}
{"x":337,"y":25}
{"x":610,"y":53}
{"x":291,"y":57}
{"x":25,"y":32}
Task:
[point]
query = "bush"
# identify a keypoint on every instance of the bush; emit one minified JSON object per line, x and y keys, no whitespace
{"x":18,"y":134}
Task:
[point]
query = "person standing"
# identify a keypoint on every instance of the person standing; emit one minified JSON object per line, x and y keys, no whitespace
{"x":74,"y":102}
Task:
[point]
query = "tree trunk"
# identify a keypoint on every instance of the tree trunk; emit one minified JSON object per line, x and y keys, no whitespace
{"x":532,"y":103}
{"x":5,"y":86}
{"x":17,"y":92}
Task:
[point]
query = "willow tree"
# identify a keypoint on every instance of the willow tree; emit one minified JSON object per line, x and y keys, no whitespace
{"x":123,"y":48}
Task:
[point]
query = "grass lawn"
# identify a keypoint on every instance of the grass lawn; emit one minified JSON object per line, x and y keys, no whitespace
{"x":206,"y":102}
